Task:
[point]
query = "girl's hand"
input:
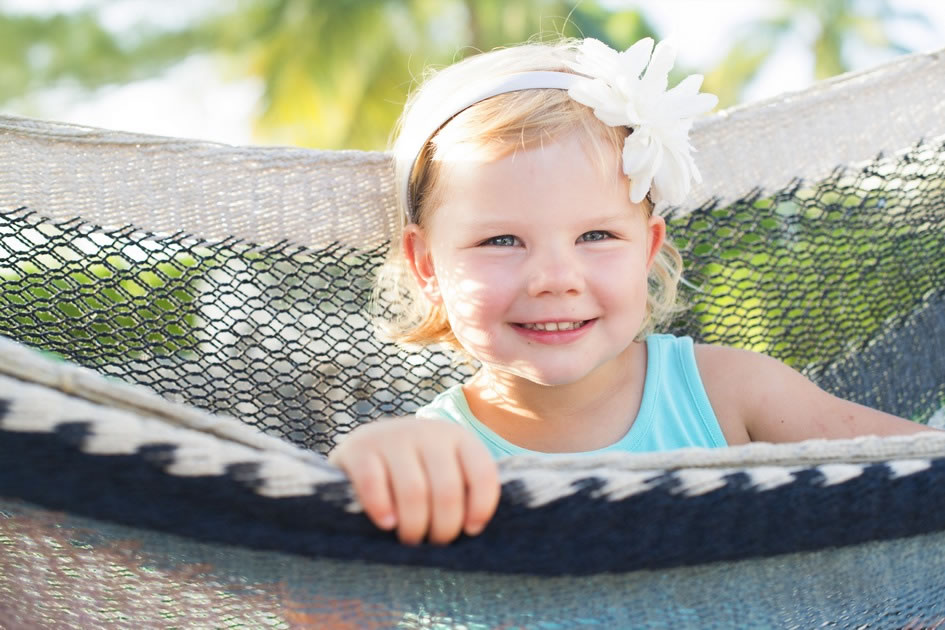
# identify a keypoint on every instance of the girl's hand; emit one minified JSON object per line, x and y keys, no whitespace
{"x":424,"y":477}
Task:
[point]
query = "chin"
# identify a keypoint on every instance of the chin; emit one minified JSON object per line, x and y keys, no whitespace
{"x":553,"y":378}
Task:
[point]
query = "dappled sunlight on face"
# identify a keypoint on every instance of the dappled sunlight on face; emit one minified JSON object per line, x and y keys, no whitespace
{"x":541,"y":262}
{"x":464,"y":307}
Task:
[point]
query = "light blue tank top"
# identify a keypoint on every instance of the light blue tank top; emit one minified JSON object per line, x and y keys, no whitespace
{"x":675,"y":411}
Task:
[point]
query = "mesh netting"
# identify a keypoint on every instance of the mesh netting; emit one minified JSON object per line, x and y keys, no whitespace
{"x":843,"y":279}
{"x":119,"y":508}
{"x":81,"y":573}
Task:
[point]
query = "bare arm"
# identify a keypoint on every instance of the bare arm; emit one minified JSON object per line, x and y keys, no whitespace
{"x":775,"y":403}
{"x":427,"y":478}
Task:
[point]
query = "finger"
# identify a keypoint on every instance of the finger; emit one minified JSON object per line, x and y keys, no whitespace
{"x":482,"y":485}
{"x":371,"y":482}
{"x":411,"y":493}
{"x":447,"y":492}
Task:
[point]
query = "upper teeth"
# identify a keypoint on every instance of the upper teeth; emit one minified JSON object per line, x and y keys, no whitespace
{"x":553,"y":326}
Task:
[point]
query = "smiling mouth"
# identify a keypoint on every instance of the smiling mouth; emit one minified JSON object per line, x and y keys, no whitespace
{"x":554,"y":326}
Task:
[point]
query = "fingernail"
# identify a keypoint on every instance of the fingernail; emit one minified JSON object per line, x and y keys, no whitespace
{"x":388,"y":521}
{"x":474,"y":529}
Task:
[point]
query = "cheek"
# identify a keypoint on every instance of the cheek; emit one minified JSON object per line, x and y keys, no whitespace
{"x":474,"y":293}
{"x":474,"y":313}
{"x":622,"y":282}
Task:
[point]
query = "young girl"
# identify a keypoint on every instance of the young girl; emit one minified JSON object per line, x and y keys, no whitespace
{"x":527,"y":179}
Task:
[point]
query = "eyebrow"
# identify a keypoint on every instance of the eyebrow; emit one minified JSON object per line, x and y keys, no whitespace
{"x":489,"y":226}
{"x":608,"y":218}
{"x":506,"y":223}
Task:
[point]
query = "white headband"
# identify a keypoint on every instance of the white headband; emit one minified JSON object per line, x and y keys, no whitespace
{"x":625,"y":89}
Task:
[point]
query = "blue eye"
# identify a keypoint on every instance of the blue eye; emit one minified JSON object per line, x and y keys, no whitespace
{"x":506,"y":240}
{"x":596,"y":235}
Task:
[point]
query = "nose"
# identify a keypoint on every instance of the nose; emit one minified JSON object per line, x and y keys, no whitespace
{"x":555,"y":271}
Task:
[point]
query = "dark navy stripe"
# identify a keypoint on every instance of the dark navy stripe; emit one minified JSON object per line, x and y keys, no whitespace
{"x":578,"y":534}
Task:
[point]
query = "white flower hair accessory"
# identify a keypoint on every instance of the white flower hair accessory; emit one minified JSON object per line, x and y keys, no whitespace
{"x":628,"y":89}
{"x":625,"y":89}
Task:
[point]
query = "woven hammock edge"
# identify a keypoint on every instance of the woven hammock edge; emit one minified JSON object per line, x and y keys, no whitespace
{"x":310,"y":198}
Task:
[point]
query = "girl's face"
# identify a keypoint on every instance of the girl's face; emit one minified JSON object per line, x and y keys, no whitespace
{"x":540,"y":260}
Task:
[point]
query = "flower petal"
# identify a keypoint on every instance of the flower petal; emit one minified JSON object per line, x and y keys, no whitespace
{"x":633,"y":60}
{"x":601,"y":98}
{"x":685,"y":100}
{"x":629,"y":88}
{"x":656,"y":77}
{"x":641,"y":159}
{"x":672,"y":179}
{"x":596,"y":59}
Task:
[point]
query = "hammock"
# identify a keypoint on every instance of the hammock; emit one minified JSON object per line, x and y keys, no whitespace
{"x":185,"y":335}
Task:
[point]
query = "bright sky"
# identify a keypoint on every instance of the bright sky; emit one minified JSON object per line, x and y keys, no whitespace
{"x":701,"y":29}
{"x":193,"y":100}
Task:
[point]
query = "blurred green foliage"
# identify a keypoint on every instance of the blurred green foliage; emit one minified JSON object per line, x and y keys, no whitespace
{"x":105,"y":299}
{"x":829,"y":28}
{"x":804,"y":275}
{"x":336,"y":73}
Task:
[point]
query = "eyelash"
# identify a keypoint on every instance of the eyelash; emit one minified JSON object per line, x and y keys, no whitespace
{"x":605,"y":233}
{"x":493,"y":242}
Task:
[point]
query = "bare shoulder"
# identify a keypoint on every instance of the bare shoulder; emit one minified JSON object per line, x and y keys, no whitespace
{"x":727,"y":370}
{"x":721,"y":368}
{"x":775,"y":403}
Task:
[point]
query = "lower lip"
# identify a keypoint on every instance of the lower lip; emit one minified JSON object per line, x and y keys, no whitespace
{"x":554,"y":337}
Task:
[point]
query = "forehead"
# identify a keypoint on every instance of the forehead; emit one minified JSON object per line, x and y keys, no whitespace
{"x":556,"y":178}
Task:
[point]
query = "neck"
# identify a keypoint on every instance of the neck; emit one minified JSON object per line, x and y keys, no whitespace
{"x":585,"y":415}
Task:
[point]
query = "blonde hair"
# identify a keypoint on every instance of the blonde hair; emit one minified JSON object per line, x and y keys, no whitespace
{"x":489,"y":130}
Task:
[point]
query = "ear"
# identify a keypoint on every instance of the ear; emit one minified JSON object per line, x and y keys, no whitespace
{"x":656,"y":234}
{"x":416,"y":248}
